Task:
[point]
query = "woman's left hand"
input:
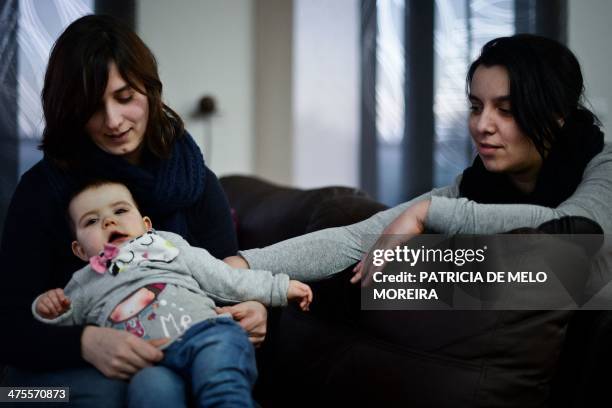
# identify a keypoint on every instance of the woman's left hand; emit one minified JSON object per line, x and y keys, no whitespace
{"x":409,"y":223}
{"x":252,"y":316}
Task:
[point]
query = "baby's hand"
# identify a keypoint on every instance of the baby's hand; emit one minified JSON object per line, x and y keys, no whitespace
{"x":52,"y":304}
{"x":301,"y":292}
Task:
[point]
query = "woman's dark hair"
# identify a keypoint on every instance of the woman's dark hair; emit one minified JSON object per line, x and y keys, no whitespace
{"x":76,"y":79}
{"x":546,"y":84}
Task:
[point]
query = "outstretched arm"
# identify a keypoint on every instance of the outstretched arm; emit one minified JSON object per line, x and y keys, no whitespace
{"x":297,"y":291}
{"x":225,"y":284}
{"x":323,"y":253}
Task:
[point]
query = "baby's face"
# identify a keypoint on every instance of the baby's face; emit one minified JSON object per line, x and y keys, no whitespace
{"x":104,"y":214}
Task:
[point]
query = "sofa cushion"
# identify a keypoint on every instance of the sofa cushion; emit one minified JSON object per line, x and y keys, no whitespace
{"x":342,"y":210}
{"x":267,"y":213}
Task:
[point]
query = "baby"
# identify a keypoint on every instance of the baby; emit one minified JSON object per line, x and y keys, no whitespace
{"x":155,"y":285}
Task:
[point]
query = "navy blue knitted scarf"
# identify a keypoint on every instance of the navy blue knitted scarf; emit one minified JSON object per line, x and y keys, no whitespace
{"x":164,"y":189}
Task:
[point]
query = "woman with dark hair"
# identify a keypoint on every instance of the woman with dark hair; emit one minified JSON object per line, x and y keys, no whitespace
{"x":105,"y":119}
{"x":541,"y":156}
{"x":536,"y":144}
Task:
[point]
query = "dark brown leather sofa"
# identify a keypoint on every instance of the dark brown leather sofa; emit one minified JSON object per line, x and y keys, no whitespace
{"x":337,"y":353}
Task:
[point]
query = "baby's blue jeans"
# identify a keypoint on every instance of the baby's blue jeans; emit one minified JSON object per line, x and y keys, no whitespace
{"x":213,"y":362}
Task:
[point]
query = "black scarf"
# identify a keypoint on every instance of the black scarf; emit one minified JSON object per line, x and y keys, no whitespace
{"x":162,"y":188}
{"x":577,"y":143}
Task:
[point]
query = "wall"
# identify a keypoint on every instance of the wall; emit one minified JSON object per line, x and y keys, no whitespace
{"x":589,"y":34}
{"x":273,"y":90}
{"x":325,"y":92}
{"x":285,"y":74}
{"x":206,"y":47}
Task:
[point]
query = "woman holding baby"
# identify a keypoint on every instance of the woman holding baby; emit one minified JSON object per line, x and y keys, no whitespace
{"x":105,"y":119}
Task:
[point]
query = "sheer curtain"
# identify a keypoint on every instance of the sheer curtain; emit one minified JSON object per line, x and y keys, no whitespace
{"x":39,"y":25}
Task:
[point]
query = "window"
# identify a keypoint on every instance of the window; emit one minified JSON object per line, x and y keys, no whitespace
{"x":415,"y":56}
{"x":39,"y":25}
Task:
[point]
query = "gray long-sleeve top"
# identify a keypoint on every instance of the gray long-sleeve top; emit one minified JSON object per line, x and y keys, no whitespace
{"x":329,"y":251}
{"x":193,"y":280}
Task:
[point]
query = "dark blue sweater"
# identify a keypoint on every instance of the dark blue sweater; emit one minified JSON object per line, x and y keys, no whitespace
{"x":35,"y":256}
